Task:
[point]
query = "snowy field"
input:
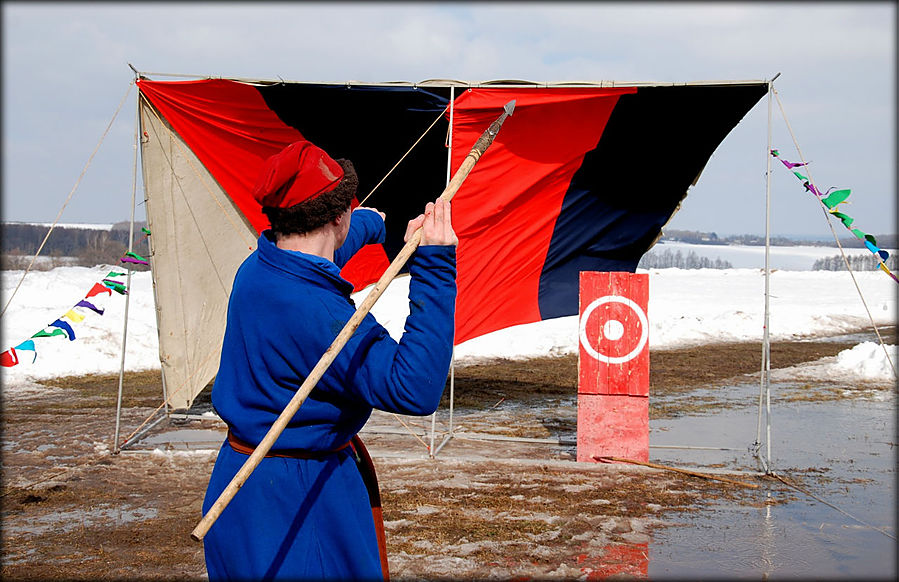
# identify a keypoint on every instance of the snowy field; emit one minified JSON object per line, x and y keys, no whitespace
{"x":791,"y":258}
{"x":686,"y":307}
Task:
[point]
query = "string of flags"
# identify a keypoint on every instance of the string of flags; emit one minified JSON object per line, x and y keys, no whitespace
{"x":832,"y":200}
{"x":93,"y":302}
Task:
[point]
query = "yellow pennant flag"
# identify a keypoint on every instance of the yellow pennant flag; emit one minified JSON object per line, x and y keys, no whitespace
{"x":74,"y":316}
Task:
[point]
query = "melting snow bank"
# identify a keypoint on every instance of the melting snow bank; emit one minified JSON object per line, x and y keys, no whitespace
{"x":866,"y":362}
{"x":686,"y":307}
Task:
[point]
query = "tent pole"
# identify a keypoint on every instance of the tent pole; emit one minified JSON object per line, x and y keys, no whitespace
{"x":449,"y":159}
{"x":449,"y":156}
{"x":764,"y":383}
{"x":118,"y":413}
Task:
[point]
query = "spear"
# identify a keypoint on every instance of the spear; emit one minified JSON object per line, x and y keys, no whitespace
{"x":348,"y":330}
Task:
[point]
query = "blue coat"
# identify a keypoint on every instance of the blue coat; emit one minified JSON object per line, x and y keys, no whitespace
{"x":302,"y":518}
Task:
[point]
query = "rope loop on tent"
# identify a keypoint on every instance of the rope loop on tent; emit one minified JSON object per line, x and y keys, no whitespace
{"x":68,"y":199}
{"x":367,"y":196}
{"x":835,"y":237}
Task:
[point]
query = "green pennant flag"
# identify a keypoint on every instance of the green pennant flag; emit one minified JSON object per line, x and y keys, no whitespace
{"x":145,"y":230}
{"x":870,"y":238}
{"x":117,"y":287}
{"x":115,"y":274}
{"x":45,"y":333}
{"x":801,"y":177}
{"x":836,"y":197}
{"x":847,"y":220}
{"x":859,"y":234}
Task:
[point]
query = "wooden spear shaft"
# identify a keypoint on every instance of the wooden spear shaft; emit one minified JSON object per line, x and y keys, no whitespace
{"x":343,"y":337}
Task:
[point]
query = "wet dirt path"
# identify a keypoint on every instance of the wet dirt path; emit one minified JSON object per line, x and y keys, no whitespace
{"x":72,"y":511}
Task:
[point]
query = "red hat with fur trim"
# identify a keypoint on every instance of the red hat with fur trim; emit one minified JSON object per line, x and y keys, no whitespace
{"x":299,"y":172}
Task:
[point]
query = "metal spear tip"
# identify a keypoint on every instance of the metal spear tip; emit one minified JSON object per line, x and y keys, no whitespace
{"x":509,"y":107}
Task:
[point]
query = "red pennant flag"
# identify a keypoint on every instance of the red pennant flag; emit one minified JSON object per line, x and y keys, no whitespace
{"x":9,"y":358}
{"x":97,"y":289}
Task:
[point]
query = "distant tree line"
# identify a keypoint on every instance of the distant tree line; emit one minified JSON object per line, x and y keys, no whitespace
{"x":884,"y":241}
{"x":856,"y":263}
{"x":669,"y":259}
{"x":67,"y":245}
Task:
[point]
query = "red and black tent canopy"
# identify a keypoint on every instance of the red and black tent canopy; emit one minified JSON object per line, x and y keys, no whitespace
{"x":581,"y":178}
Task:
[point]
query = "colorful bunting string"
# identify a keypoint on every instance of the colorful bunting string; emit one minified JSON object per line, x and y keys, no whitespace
{"x":62,"y":326}
{"x":832,"y":201}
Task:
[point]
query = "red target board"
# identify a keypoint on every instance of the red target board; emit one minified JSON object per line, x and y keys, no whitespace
{"x":613,"y":366}
{"x":613,"y":334}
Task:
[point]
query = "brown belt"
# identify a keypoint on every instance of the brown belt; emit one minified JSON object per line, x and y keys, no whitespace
{"x":247,"y":449}
{"x":366,"y":468}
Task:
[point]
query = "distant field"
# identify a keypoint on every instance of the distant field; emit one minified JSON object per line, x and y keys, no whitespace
{"x":790,"y":258}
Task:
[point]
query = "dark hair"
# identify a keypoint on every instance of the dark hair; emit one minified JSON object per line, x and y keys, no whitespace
{"x":312,"y":214}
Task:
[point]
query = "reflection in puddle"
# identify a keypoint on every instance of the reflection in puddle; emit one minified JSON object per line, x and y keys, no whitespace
{"x":619,"y":560}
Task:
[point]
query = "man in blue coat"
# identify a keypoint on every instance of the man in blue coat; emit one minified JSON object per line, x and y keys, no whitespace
{"x":310,"y":509}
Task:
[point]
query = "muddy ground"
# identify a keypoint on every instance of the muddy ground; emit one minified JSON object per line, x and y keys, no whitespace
{"x":73,"y":511}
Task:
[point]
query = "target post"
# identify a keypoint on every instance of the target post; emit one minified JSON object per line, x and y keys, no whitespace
{"x":613,"y":366}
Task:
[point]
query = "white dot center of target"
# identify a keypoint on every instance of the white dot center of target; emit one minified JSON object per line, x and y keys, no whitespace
{"x":613,"y":330}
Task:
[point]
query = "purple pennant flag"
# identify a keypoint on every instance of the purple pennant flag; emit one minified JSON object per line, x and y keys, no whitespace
{"x":90,"y":306}
{"x":792,"y":165}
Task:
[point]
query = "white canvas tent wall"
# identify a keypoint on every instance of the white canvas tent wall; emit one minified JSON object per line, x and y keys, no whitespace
{"x":199,"y":238}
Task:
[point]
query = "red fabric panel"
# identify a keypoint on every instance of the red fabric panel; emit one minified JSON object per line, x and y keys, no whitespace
{"x":367,"y":265}
{"x":505,"y":211}
{"x":232,"y":131}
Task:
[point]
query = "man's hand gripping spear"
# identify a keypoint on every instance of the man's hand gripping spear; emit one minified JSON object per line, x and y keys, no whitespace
{"x":348,"y":330}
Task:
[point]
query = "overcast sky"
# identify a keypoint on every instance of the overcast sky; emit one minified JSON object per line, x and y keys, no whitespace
{"x":65,"y":71}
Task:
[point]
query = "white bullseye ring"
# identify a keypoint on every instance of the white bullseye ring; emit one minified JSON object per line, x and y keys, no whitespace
{"x":610,"y":329}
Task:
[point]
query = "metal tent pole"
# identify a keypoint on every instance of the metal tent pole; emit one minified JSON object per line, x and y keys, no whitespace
{"x":118,"y":413}
{"x":449,"y":159}
{"x":764,"y":380}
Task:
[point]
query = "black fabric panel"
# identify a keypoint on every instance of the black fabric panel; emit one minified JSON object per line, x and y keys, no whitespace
{"x":373,"y":127}
{"x":654,"y":146}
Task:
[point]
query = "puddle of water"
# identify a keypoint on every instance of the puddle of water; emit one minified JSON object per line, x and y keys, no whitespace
{"x":185,"y":439}
{"x":843,"y":451}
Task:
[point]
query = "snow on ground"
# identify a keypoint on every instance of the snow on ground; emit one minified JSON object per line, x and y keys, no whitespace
{"x":686,"y":307}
